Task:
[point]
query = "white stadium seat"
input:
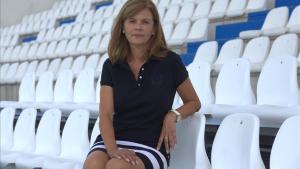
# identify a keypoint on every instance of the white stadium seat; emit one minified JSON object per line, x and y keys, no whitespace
{"x":230,"y":50}
{"x":256,"y":5}
{"x":236,"y":144}
{"x":74,"y":145}
{"x":202,"y":10}
{"x":47,"y":141}
{"x":283,"y":45}
{"x":272,"y":26}
{"x":293,"y":25}
{"x":180,"y":33}
{"x":24,"y":136}
{"x":199,"y":31}
{"x":190,"y":149}
{"x":285,"y":151}
{"x":207,"y":51}
{"x":256,"y":51}
{"x":7,"y":126}
{"x":218,"y":9}
{"x":236,"y":8}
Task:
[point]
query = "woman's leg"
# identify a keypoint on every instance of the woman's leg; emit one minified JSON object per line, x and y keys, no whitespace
{"x":115,"y":163}
{"x":96,"y":160}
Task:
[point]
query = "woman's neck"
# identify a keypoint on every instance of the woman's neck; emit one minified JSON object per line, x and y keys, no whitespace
{"x":138,"y":54}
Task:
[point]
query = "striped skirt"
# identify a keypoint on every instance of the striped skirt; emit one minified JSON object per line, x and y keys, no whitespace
{"x":152,"y":158}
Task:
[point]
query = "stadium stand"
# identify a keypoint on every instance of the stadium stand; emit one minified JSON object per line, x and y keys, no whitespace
{"x":243,"y":61}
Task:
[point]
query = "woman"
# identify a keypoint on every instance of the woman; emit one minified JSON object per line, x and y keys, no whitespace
{"x":138,"y":84}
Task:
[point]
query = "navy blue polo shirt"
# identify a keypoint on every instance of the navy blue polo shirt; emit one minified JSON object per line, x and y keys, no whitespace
{"x":140,"y":105}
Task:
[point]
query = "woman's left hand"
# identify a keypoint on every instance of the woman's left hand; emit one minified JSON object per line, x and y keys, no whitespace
{"x":168,"y":133}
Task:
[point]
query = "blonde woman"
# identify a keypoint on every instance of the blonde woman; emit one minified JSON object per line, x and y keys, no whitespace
{"x":138,"y":85}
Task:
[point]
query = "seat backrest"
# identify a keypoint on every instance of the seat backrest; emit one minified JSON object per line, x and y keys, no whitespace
{"x":24,"y":51}
{"x":67,"y":31}
{"x":32,"y":51}
{"x":294,"y":18}
{"x":107,"y":25}
{"x":44,"y":88}
{"x":95,"y":132}
{"x":101,"y":62}
{"x":72,"y":45}
{"x":256,"y":5}
{"x":257,"y":49}
{"x":181,"y":31}
{"x":108,"y":11}
{"x":92,"y":61}
{"x":65,"y":64}
{"x":86,"y":28}
{"x":41,"y":51}
{"x":186,"y":12}
{"x":12,"y":70}
{"x":219,"y":6}
{"x":51,"y":49}
{"x":168,"y":30}
{"x":95,"y":42}
{"x":61,"y":47}
{"x":54,"y":65}
{"x":75,"y":145}
{"x":48,"y":133}
{"x":42,"y":67}
{"x":27,"y":88}
{"x":57,"y":33}
{"x":190,"y":150}
{"x":104,"y":43}
{"x":230,"y":50}
{"x":84,"y":88}
{"x":7,"y":126}
{"x":236,"y":144}
{"x":21,"y":71}
{"x":96,"y":27}
{"x":63,"y":90}
{"x":24,"y":134}
{"x":171,"y":14}
{"x":83,"y":45}
{"x":208,"y":52}
{"x":287,"y":44}
{"x":236,"y":5}
{"x":233,"y":86}
{"x":76,"y":30}
{"x":4,"y":69}
{"x":282,"y":89}
{"x":163,"y":3}
{"x":272,"y":20}
{"x":78,"y":64}
{"x":199,"y":73}
{"x":285,"y":152}
{"x":199,"y":30}
{"x":32,"y":66}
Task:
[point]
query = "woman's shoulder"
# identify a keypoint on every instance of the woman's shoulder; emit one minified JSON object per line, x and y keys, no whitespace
{"x":172,"y":57}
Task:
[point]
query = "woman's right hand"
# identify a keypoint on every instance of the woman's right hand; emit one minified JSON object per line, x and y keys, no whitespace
{"x":124,"y":154}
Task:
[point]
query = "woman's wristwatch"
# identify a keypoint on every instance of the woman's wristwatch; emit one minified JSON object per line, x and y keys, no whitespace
{"x":178,"y":115}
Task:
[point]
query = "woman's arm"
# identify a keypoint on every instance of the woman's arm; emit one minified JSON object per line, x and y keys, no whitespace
{"x":191,"y":104}
{"x":106,"y":118}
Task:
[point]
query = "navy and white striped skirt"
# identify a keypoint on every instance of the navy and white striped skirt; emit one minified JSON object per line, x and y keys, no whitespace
{"x":152,"y":158}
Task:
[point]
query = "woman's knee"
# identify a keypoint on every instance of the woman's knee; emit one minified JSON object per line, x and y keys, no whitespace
{"x":96,"y":160}
{"x":115,"y":163}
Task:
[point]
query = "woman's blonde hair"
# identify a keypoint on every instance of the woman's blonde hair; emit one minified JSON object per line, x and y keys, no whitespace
{"x":119,"y":49}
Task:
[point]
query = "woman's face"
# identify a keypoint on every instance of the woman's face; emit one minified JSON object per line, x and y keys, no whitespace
{"x":139,"y":28}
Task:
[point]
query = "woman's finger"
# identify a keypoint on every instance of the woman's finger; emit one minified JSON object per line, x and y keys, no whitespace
{"x":166,"y":141}
{"x":160,"y":141}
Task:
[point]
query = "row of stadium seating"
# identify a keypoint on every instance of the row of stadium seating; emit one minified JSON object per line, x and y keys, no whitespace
{"x":233,"y":90}
{"x":47,"y":149}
